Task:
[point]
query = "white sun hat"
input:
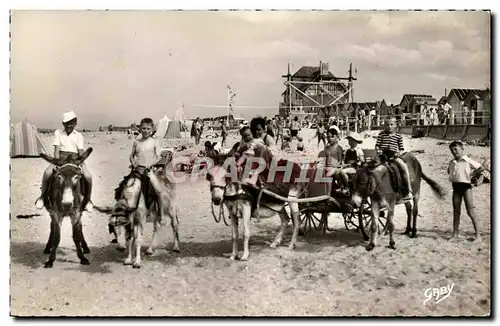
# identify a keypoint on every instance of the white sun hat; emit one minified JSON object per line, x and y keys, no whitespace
{"x":68,"y":116}
{"x":355,"y":136}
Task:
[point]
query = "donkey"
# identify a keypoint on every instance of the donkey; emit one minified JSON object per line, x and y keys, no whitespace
{"x":376,"y":182}
{"x":134,"y":202}
{"x":243,"y":200}
{"x":64,"y":197}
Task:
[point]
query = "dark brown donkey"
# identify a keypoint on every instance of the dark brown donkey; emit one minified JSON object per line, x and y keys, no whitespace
{"x":65,"y":197}
{"x":376,"y":182}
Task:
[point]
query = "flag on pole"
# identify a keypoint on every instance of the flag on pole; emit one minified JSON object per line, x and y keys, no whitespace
{"x":231,"y":94}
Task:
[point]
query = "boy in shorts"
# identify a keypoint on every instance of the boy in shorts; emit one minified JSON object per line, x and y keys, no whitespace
{"x":460,"y":171}
{"x":146,"y":152}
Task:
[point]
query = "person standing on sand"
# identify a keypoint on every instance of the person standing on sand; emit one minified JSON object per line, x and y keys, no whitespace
{"x":223,"y":132}
{"x":279,"y":127}
{"x":198,"y":129}
{"x":320,"y":133}
{"x":447,"y":108}
{"x":294,"y":127}
{"x":460,"y":171}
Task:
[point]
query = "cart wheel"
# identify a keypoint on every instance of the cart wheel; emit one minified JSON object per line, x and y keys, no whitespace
{"x":366,"y":219}
{"x":309,"y":221}
{"x":351,"y":220}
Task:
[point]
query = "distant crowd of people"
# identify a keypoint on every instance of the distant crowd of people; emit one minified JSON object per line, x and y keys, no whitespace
{"x":442,"y":115}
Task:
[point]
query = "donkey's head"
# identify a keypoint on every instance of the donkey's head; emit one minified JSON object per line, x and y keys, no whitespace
{"x":219,"y":180}
{"x":66,"y":193}
{"x":128,"y":195}
{"x":364,"y":184}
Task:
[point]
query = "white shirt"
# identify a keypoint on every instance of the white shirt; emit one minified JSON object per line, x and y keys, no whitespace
{"x":217,"y":146}
{"x":461,"y":170}
{"x":447,"y":108}
{"x":68,"y":143}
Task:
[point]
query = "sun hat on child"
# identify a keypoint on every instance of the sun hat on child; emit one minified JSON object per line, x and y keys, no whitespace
{"x":68,"y":116}
{"x":355,"y":136}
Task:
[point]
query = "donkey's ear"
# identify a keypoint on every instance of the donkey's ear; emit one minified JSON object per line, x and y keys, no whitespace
{"x":84,"y":156}
{"x":50,"y":159}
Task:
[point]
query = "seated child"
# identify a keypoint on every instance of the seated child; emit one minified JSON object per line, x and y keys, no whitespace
{"x":146,"y":153}
{"x":354,"y":156}
{"x":211,"y":151}
{"x":332,"y":155}
{"x":67,"y":142}
{"x":300,"y":144}
{"x":246,"y":147}
{"x":390,"y":143}
{"x":145,"y":149}
{"x":285,"y":145}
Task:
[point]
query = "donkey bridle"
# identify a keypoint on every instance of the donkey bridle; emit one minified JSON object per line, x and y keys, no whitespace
{"x":128,"y":210}
{"x":57,"y":169}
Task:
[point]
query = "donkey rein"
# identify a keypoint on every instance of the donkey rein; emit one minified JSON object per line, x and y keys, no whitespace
{"x":222,"y":215}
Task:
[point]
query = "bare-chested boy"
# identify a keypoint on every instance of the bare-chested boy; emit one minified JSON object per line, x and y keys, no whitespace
{"x":146,"y":153}
{"x":146,"y":149}
{"x":333,"y":157}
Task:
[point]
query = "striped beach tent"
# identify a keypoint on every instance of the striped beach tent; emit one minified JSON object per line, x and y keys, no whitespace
{"x":25,"y":140}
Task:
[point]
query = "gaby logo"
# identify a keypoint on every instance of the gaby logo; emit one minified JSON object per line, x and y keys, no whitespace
{"x":438,"y":293}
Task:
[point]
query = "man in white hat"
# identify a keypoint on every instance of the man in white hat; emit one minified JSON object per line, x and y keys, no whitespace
{"x":67,"y":142}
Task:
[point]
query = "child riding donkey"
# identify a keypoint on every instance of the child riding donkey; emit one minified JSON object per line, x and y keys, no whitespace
{"x":390,"y":144}
{"x":67,"y":143}
{"x":153,"y":196}
{"x":145,"y":155}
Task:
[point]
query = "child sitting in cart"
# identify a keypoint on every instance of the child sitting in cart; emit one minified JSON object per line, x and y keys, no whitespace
{"x":332,"y":160}
{"x":300,"y":144}
{"x":354,"y":156}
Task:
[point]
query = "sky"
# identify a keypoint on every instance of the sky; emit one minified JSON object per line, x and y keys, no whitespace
{"x":116,"y":67}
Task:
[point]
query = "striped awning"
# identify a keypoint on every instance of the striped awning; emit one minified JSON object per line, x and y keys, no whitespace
{"x":25,"y":140}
